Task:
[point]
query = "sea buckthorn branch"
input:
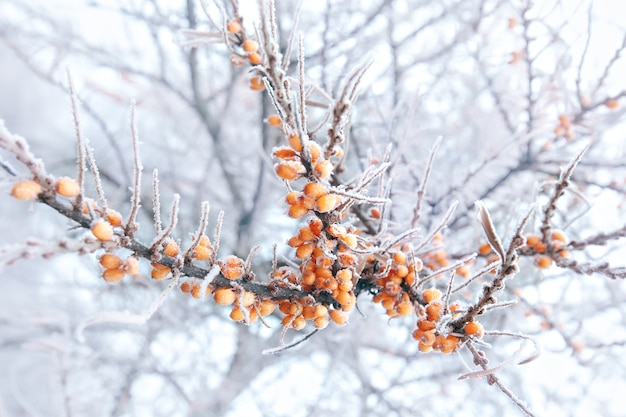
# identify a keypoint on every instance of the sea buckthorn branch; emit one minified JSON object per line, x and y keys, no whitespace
{"x":480,"y":359}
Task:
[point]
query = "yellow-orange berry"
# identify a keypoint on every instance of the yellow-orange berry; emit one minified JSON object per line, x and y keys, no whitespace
{"x":474,"y":328}
{"x":26,"y":190}
{"x":234,"y":26}
{"x":131,"y":266}
{"x":431,"y":294}
{"x":171,"y":248}
{"x":338,"y":316}
{"x":612,"y":104}
{"x":349,"y":240}
{"x":110,"y":261}
{"x":224,"y":296}
{"x":558,"y":236}
{"x":257,"y":84}
{"x":274,"y":120}
{"x":113,"y":275}
{"x":254,"y":58}
{"x":250,"y":46}
{"x":67,"y":187}
{"x":159,"y":271}
{"x":328,"y":202}
{"x":542,"y":261}
{"x":564,"y":253}
{"x":114,"y":217}
{"x":102,"y":230}
{"x":375,"y":213}
{"x":298,"y":323}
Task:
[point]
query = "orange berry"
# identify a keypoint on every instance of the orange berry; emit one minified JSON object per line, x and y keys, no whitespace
{"x":564,"y":120}
{"x":315,"y":151}
{"x":298,"y":211}
{"x":431,"y":294}
{"x":424,"y":348}
{"x":110,"y":261}
{"x":350,"y":240}
{"x":234,"y":26}
{"x":237,"y":314}
{"x":425,"y":337}
{"x":564,"y":253}
{"x":185,"y":287}
{"x":232,"y":267}
{"x":266,"y":307}
{"x":26,"y":190}
{"x":171,"y":248}
{"x":339,"y":317}
{"x":131,"y":266}
{"x":344,"y":298}
{"x":284,"y":152}
{"x":323,"y":168}
{"x":306,"y":234}
{"x":512,"y":22}
{"x":113,"y":275}
{"x":236,"y":61}
{"x":404,"y":308}
{"x":159,"y":271}
{"x":102,"y":230}
{"x":274,"y":120}
{"x":533,"y":240}
{"x":293,"y":198}
{"x":250,"y":46}
{"x":287,"y":171}
{"x":446,"y":344}
{"x":254,"y":58}
{"x":433,"y":311}
{"x":202,"y":253}
{"x":304,"y":251}
{"x":224,"y":296}
{"x":328,"y":202}
{"x":484,"y":249}
{"x":344,"y":278}
{"x":542,"y":261}
{"x":247,"y":299}
{"x":375,"y":213}
{"x":295,"y":241}
{"x":298,"y":323}
{"x":315,"y":190}
{"x":399,"y":257}
{"x":114,"y":217}
{"x":295,"y":143}
{"x":195,"y":291}
{"x":67,"y":187}
{"x":320,"y":322}
{"x":257,"y":84}
{"x":425,"y":325}
{"x":612,"y":104}
{"x":474,"y":328}
{"x":558,"y":236}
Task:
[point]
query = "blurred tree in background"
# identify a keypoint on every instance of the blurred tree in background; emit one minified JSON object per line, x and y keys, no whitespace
{"x":515,"y":91}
